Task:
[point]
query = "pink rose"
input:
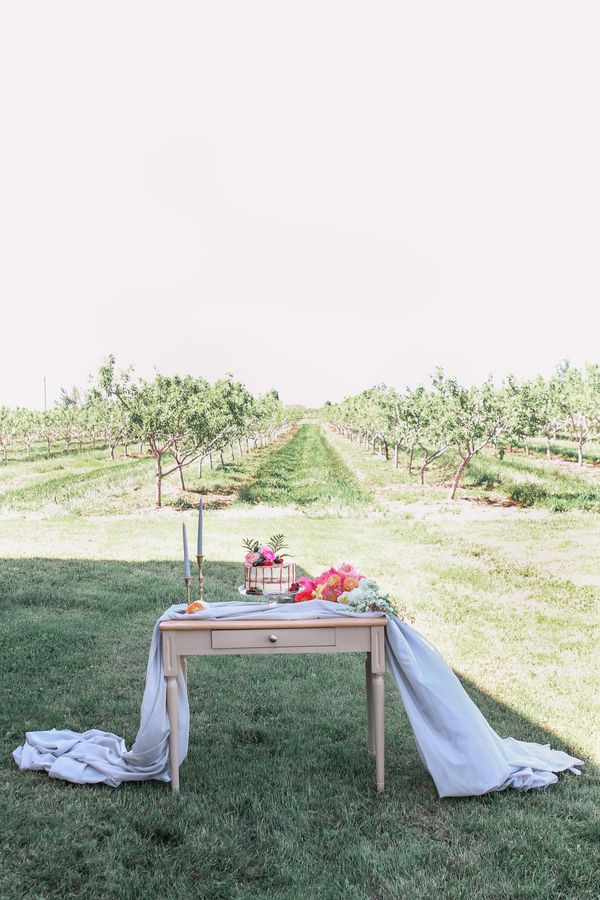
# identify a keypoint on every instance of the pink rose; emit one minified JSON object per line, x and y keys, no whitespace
{"x":251,"y":558}
{"x":267,"y":554}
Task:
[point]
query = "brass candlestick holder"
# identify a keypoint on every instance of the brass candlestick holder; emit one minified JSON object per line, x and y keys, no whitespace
{"x":200,"y":560}
{"x":188,"y":590}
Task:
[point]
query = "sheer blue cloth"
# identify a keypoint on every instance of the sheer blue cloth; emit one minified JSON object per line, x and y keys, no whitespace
{"x":458,"y":747}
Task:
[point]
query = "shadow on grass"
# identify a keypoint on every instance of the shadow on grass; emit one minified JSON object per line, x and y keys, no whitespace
{"x":277,"y":790}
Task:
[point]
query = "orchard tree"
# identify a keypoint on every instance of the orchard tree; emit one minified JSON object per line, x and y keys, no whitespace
{"x":546,"y":400}
{"x":579,"y":396}
{"x":66,"y":423}
{"x":183,"y":418}
{"x":428,"y":422}
{"x":28,"y":427}
{"x":8,"y":430}
{"x":110,"y":417}
{"x":471,"y":419}
{"x":525,"y":409}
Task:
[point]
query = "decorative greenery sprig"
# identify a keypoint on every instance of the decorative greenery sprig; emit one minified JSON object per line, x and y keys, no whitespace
{"x":276,"y":542}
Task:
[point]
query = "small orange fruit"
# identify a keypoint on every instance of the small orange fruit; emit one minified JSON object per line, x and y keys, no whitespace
{"x":196,"y":606}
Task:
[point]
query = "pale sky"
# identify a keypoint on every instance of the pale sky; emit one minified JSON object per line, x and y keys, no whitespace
{"x":315,"y":196}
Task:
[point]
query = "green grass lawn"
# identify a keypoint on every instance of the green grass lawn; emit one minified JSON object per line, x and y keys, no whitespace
{"x":305,"y":471}
{"x":278,"y":798}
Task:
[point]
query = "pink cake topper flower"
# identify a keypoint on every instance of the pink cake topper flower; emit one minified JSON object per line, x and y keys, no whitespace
{"x":251,"y":558}
{"x":267,"y":554}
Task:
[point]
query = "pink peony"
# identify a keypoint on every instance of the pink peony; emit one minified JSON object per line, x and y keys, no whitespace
{"x":306,"y":592}
{"x":267,"y":554}
{"x":348,"y":571}
{"x":251,"y":558}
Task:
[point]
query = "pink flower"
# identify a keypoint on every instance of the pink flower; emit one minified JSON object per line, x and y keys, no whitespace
{"x":324,"y":576}
{"x":308,"y":587}
{"x":267,"y":554}
{"x":251,"y":558}
{"x":348,"y":571}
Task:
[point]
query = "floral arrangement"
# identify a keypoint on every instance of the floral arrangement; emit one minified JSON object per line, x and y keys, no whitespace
{"x":346,"y":585}
{"x":269,"y":554}
{"x":330,"y":585}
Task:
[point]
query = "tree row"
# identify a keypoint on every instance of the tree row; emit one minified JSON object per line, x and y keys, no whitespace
{"x":178,"y":420}
{"x":428,"y":422}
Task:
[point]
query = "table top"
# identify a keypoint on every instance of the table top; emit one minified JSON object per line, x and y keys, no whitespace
{"x":237,"y":624}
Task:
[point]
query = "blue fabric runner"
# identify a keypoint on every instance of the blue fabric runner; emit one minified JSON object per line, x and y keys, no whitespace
{"x":458,"y":747}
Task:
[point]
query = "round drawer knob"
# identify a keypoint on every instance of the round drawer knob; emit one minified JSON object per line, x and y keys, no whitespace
{"x":273,"y":638}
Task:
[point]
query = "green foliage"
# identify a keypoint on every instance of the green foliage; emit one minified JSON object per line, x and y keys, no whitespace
{"x":277,"y":544}
{"x":250,"y":544}
{"x":528,"y":493}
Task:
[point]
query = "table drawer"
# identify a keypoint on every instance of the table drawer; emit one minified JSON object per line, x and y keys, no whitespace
{"x":263,"y":639}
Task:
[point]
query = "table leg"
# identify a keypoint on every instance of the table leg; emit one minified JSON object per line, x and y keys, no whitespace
{"x":378,"y":701}
{"x":369,"y":692}
{"x":378,"y":715}
{"x":173,"y":713}
{"x":183,"y":663}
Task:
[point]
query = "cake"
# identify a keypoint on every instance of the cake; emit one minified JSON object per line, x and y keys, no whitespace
{"x":275,"y":579}
{"x":266,"y":571}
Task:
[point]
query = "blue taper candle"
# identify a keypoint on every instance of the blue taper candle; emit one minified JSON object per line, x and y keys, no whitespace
{"x":186,"y":557}
{"x":199,"y":551}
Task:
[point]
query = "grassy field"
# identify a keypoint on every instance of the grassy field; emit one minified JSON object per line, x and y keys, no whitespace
{"x":277,"y":791}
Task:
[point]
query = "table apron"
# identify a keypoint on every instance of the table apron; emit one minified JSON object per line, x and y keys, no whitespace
{"x":211,"y":643}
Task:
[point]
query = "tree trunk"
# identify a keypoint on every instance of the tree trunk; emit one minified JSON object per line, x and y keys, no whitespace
{"x":200,"y":467}
{"x":548,"y":453}
{"x":422,"y":471}
{"x":395,"y":456}
{"x":48,"y":442}
{"x":222,"y":458}
{"x":247,"y":445}
{"x":112,"y":452}
{"x":232,"y":453}
{"x":580,"y":449}
{"x":159,"y":476}
{"x":386,"y":449}
{"x":210,"y":461}
{"x":458,"y":476}
{"x":240,"y":447}
{"x":141,"y":447}
{"x":526,"y":446}
{"x":125,"y":451}
{"x":410,"y":459}
{"x":181,"y":478}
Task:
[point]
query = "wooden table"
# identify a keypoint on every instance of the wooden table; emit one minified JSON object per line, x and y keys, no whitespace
{"x":222,"y":637}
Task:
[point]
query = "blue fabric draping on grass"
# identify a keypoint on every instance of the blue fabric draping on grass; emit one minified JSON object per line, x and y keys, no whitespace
{"x":459,"y":748}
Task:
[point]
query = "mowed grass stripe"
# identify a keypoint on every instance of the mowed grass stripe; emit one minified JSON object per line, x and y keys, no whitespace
{"x":65,"y":486}
{"x":306,"y":471}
